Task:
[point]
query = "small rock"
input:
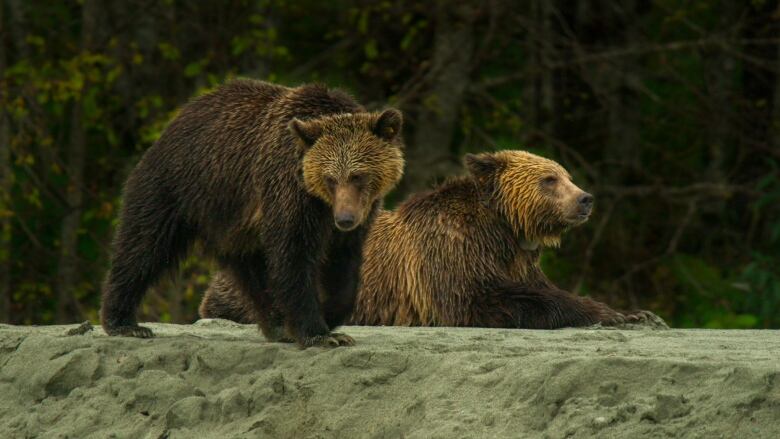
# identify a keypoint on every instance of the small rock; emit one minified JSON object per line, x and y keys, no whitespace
{"x":668,"y":407}
{"x":81,"y":329}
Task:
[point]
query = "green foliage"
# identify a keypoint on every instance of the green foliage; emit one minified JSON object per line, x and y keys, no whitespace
{"x":709,"y":298}
{"x":761,"y":275}
{"x":680,"y":77}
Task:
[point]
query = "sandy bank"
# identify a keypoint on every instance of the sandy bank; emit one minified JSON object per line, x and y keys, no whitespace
{"x":220,"y":379}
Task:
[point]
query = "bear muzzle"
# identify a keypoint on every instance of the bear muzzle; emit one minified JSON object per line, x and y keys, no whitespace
{"x":345,"y":221}
{"x":585,"y":203}
{"x":583,"y":209}
{"x":578,"y":208}
{"x":347,"y":207}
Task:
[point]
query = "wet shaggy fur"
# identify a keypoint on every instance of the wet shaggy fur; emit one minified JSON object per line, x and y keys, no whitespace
{"x":257,"y":172}
{"x":467,"y":254}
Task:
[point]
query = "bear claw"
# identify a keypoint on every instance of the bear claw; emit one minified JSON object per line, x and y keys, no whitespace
{"x":647,"y":318}
{"x":613,"y":320}
{"x":343,"y":339}
{"x":332,"y":340}
{"x":130,"y":331}
{"x":640,"y":318}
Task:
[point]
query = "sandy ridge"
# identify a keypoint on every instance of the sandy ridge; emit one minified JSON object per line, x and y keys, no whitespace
{"x":219,"y":379}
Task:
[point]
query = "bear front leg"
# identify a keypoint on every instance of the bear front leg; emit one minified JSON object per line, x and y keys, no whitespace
{"x":294,"y":255}
{"x":340,"y":277}
{"x":520,"y":306}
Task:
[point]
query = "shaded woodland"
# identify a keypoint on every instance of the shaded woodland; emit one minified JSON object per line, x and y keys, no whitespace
{"x":668,"y":111}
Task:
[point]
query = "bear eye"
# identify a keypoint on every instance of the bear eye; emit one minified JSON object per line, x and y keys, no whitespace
{"x":549,"y":180}
{"x":330,"y":182}
{"x":357,"y":179}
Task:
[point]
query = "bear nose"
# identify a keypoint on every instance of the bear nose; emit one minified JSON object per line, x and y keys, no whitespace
{"x":345,"y":221}
{"x":585,"y":200}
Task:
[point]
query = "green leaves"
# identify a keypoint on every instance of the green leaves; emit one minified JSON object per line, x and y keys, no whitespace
{"x":711,"y":298}
{"x":194,"y":69}
{"x":169,"y":51}
{"x":546,"y":84}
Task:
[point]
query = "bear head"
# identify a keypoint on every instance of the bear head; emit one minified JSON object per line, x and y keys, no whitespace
{"x":350,"y":160}
{"x":535,"y":195}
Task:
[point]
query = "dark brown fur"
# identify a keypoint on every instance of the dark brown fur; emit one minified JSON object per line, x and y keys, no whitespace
{"x":467,"y":254}
{"x":253,"y":171}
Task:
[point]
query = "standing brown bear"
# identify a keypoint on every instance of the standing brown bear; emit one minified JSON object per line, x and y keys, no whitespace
{"x":467,"y":254}
{"x":279,"y":184}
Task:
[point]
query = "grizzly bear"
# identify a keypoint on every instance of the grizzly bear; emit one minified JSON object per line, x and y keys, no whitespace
{"x":279,"y":184}
{"x":467,"y":254}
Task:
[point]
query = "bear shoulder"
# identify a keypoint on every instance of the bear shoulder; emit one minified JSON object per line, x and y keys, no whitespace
{"x":458,"y":197}
{"x":453,"y":212}
{"x":313,"y":100}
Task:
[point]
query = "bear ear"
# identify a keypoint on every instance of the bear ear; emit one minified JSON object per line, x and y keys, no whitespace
{"x":307,"y":132}
{"x":482,"y":165}
{"x":388,"y":126}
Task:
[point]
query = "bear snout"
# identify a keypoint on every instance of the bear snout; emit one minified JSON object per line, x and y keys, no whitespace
{"x":347,"y":207}
{"x":585,"y":203}
{"x":345,"y":221}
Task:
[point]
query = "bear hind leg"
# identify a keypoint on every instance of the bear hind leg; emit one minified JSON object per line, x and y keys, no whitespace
{"x":224,"y":300}
{"x":240,"y":293}
{"x":142,"y":253}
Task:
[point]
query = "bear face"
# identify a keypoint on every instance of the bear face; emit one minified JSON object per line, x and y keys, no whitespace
{"x":351,"y":179}
{"x":535,"y":194}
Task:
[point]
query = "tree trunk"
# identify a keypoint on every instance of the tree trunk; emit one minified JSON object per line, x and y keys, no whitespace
{"x":758,"y":77}
{"x":6,"y":182}
{"x":68,"y":268}
{"x":775,"y":133}
{"x":17,"y":26}
{"x":541,"y":74}
{"x":623,"y":136}
{"x":719,"y":74}
{"x":430,"y":154}
{"x":623,"y":140}
{"x":760,"y":124}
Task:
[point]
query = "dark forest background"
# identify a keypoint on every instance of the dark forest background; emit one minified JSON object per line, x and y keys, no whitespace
{"x":668,"y":111}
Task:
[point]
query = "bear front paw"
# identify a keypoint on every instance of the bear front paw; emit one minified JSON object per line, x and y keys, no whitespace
{"x":130,"y":331}
{"x":343,"y":339}
{"x":332,"y":340}
{"x":612,"y":318}
{"x":646,"y":318}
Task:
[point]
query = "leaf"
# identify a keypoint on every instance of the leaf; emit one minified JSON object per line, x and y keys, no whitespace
{"x":239,"y":45}
{"x":408,"y":38}
{"x":169,"y":51}
{"x":193,"y":69}
{"x":362,"y":25}
{"x":370,"y":49}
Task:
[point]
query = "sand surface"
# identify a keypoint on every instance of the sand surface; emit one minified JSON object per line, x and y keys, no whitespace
{"x":223,"y":380}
